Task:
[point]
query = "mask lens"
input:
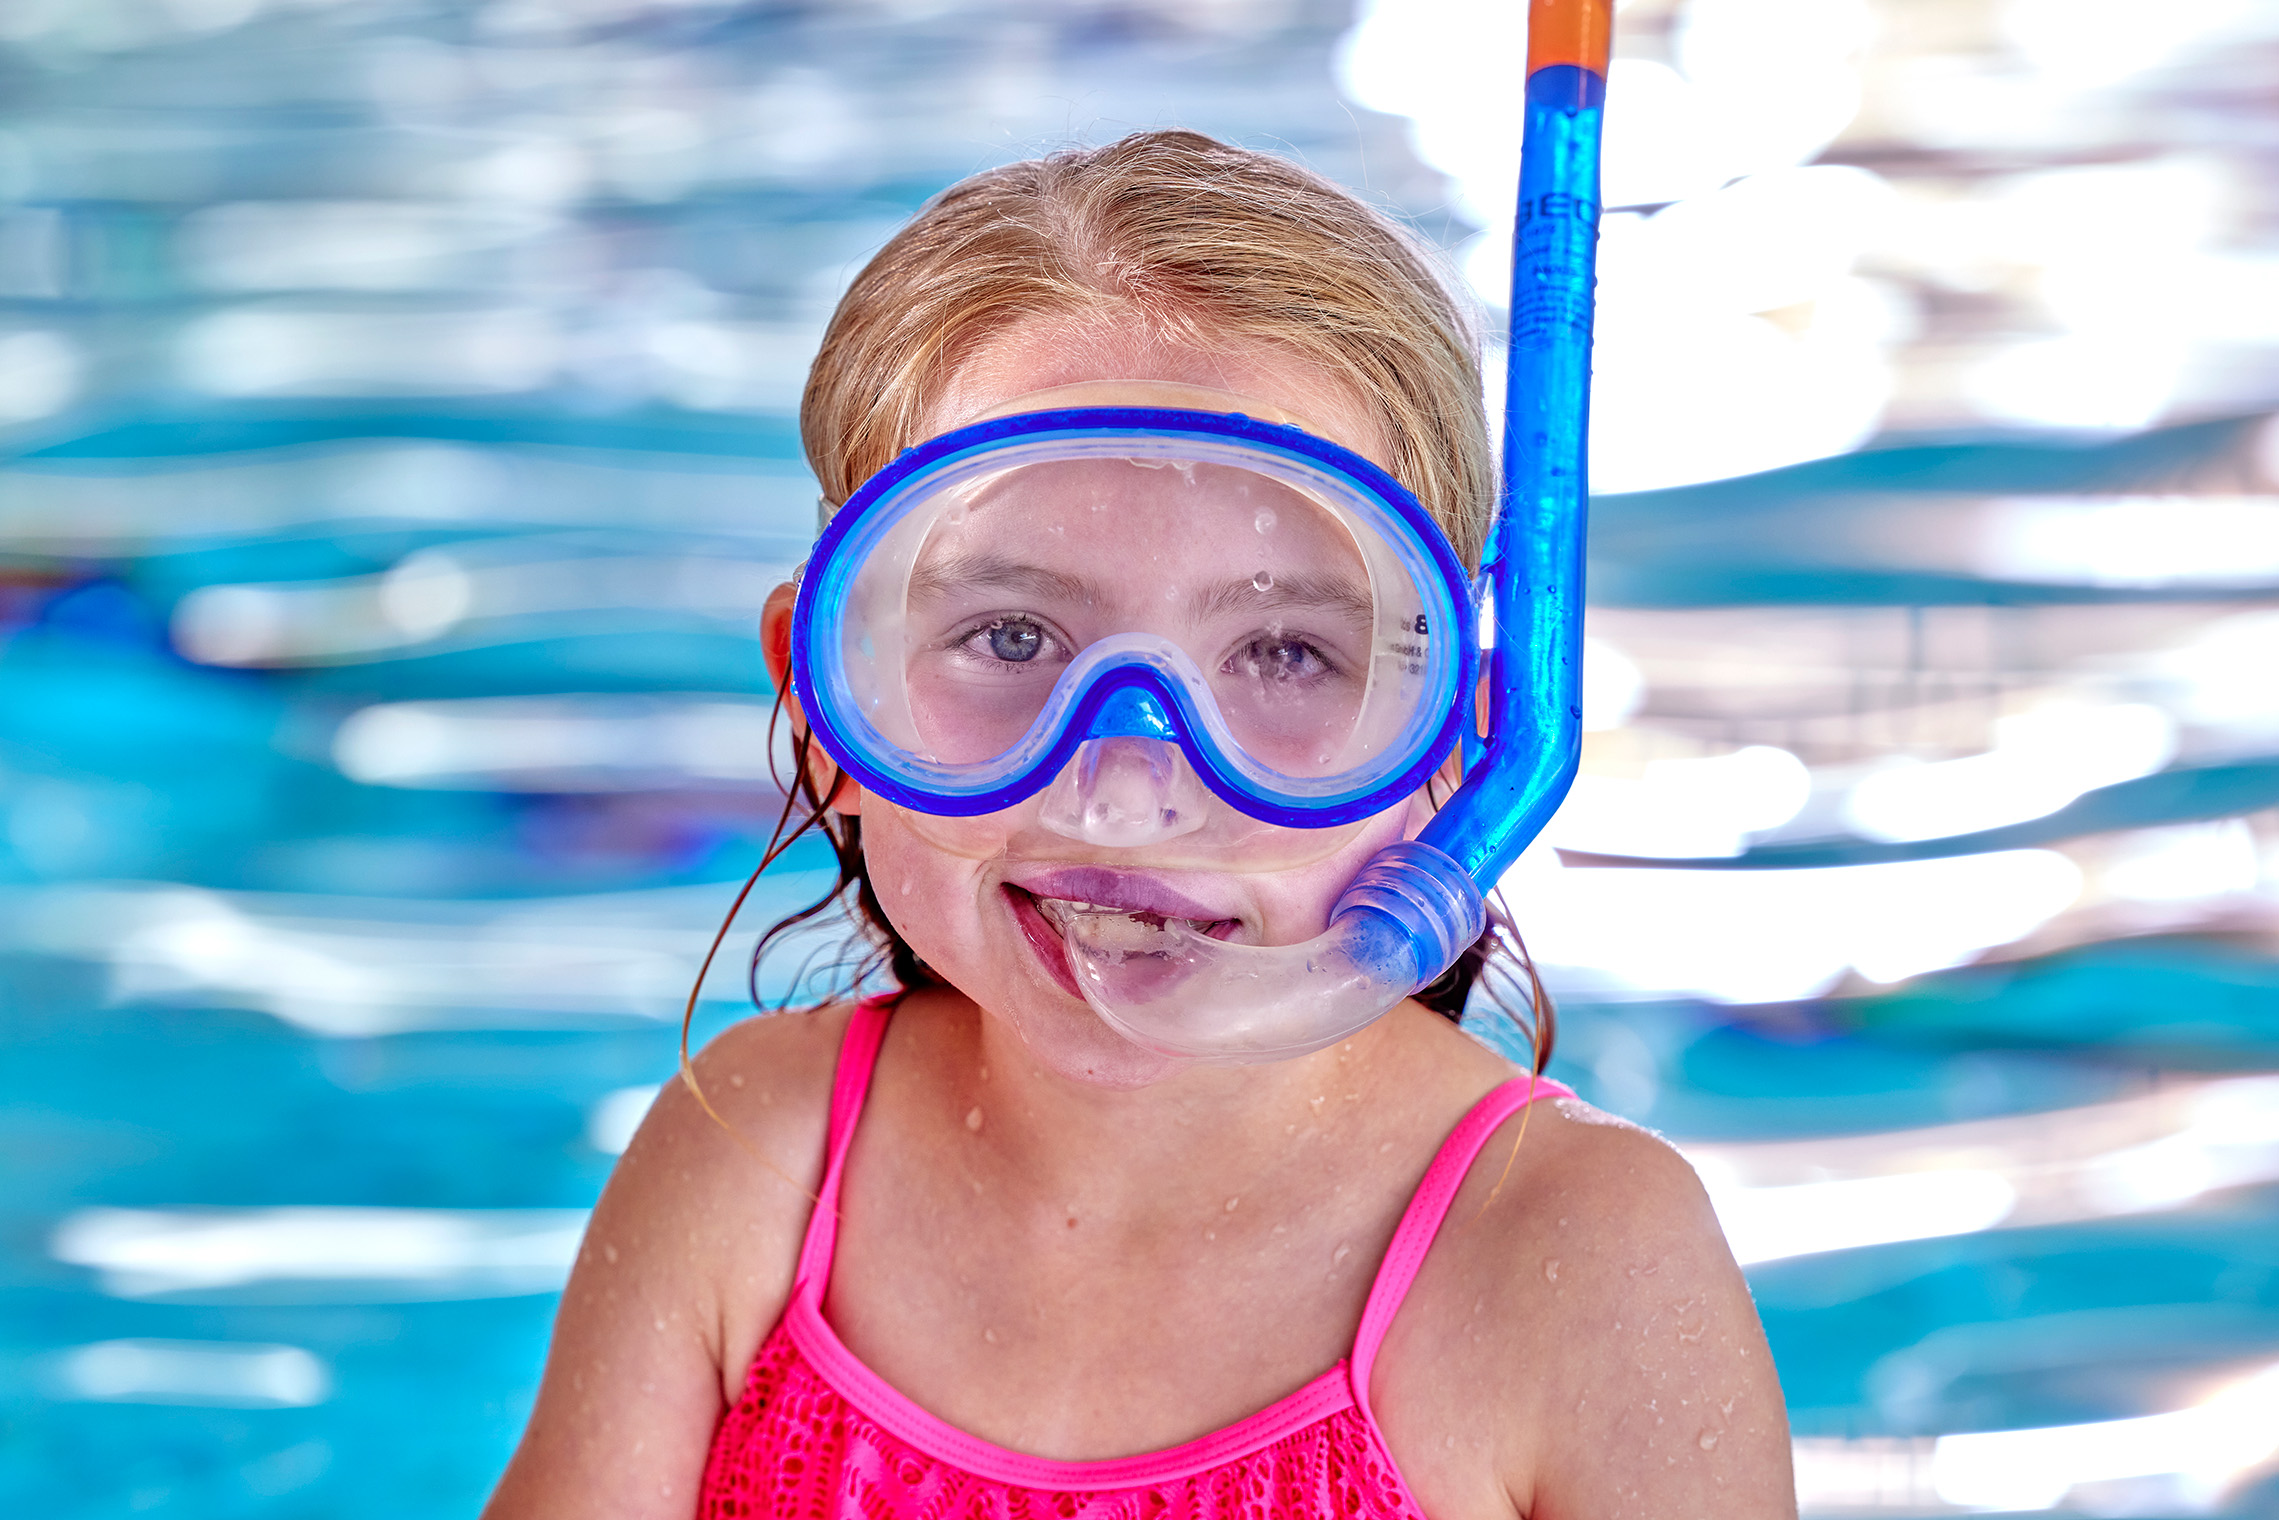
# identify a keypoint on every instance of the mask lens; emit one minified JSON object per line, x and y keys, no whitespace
{"x":1263,"y":590}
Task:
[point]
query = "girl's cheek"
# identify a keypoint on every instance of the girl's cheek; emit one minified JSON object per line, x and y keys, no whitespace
{"x":1294,"y":904}
{"x":929,"y":894}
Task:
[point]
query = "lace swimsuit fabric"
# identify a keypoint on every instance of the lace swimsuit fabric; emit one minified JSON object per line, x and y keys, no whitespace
{"x":818,"y":1436}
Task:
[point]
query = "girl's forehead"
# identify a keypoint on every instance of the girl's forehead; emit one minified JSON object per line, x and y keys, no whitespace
{"x":1106,"y":350}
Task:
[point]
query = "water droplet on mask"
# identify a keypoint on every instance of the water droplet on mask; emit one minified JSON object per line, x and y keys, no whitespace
{"x":1262,"y":581}
{"x":1264,"y":520}
{"x":953,"y":514}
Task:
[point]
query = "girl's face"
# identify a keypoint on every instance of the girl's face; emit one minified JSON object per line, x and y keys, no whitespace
{"x":978,"y":907}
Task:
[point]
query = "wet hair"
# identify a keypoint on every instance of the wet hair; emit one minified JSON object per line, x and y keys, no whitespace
{"x":1203,"y":243}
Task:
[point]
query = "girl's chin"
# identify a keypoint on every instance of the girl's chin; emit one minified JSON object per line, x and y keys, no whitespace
{"x":1077,"y":1046}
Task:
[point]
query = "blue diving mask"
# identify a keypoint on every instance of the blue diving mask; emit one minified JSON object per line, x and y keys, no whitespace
{"x":1194,"y":633}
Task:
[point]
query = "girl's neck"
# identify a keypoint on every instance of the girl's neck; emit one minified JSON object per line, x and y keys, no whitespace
{"x":1203,"y":1132}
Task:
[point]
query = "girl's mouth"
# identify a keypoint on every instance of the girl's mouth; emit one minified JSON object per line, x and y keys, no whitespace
{"x":1044,"y":921}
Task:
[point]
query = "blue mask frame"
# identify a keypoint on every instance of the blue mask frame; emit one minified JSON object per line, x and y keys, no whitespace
{"x":1109,"y":690}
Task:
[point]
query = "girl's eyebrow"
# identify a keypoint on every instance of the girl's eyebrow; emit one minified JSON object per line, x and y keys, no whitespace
{"x":968,"y":572}
{"x":1334,"y":593}
{"x":963,"y":572}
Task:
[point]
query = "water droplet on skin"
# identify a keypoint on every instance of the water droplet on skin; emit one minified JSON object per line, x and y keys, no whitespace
{"x":1210,"y":1235}
{"x":735,"y":1079}
{"x":609,"y":1254}
{"x":1709,"y":1440}
{"x":1262,"y":581}
{"x":1551,"y":1272}
{"x":989,"y":1336}
{"x":973,"y":1117}
{"x":1231,"y":1202}
{"x":1316,"y":1105}
{"x":1264,"y":520}
{"x":1335,"y":1257}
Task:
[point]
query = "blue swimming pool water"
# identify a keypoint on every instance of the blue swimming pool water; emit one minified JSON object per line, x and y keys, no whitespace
{"x":379,"y":743}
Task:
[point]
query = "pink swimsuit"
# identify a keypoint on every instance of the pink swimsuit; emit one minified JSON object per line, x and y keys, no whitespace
{"x":818,"y":1435}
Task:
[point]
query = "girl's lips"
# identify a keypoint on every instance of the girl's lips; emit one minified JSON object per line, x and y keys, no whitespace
{"x":1125,"y":891}
{"x":1134,"y":892}
{"x":1045,"y":919}
{"x":1044,"y":939}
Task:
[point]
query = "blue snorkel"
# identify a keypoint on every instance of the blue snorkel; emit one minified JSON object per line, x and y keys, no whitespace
{"x":1420,"y":904}
{"x":1533,"y":569}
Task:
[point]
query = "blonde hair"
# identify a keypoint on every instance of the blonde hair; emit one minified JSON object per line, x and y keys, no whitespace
{"x":1203,"y":241}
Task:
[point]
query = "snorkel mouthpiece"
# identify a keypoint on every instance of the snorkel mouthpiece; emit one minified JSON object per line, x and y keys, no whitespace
{"x":1177,"y":992}
{"x":1420,"y":904}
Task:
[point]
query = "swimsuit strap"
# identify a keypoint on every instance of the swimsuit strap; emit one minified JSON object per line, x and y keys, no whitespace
{"x":1427,"y":1208}
{"x":858,"y":1055}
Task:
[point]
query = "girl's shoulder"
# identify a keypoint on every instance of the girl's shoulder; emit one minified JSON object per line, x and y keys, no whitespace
{"x":720,"y":1179}
{"x":687,"y":1261}
{"x":757,"y":1096}
{"x":1581,"y":1313}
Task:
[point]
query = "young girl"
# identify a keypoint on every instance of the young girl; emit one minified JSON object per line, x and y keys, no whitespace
{"x":1002,"y":1245}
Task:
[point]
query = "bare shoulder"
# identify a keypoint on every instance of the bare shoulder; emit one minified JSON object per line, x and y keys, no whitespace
{"x":686,"y":1263}
{"x":721,"y":1176}
{"x":1611,"y":1352}
{"x":763,"y":1079}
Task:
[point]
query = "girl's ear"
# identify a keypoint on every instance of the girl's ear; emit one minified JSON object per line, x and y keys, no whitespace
{"x":845,"y":794}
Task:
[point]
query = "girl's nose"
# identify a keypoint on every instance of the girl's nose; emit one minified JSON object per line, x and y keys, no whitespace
{"x":1125,"y":792}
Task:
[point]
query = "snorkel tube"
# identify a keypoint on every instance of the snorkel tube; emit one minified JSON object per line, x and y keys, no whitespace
{"x":1421,"y":903}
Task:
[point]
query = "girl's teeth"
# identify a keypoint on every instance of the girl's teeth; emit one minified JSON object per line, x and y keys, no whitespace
{"x":1059,"y":910}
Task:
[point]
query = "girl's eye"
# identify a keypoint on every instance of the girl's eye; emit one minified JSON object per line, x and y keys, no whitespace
{"x":1013,"y":640}
{"x":1280,"y":658}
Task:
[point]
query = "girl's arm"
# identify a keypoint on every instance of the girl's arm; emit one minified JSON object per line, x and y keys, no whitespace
{"x":685,"y":1266}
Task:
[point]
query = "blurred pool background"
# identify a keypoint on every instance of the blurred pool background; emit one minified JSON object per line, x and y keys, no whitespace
{"x":396,"y":443}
